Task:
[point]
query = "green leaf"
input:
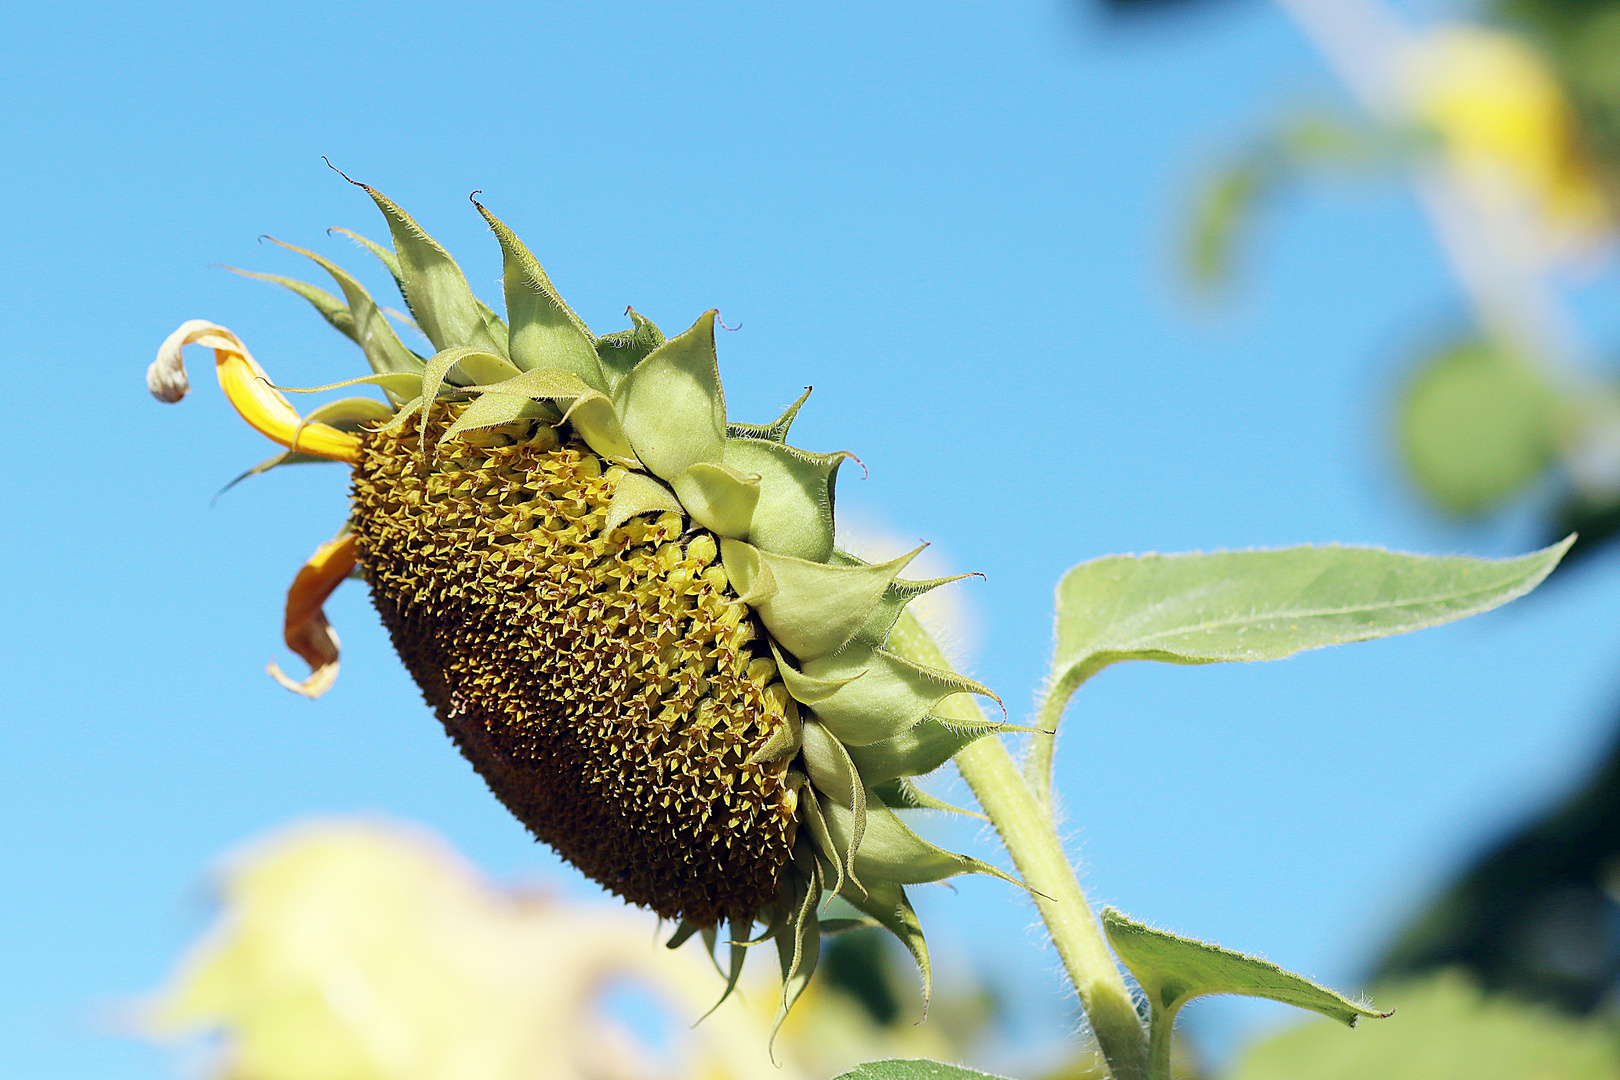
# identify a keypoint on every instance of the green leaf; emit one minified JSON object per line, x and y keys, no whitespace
{"x":821,"y":839}
{"x":827,"y":762}
{"x":594,"y":417}
{"x":349,"y":413}
{"x":1594,"y":520}
{"x":485,"y":369}
{"x":833,"y":776}
{"x":1172,"y":970}
{"x":830,"y":927}
{"x":899,"y":594}
{"x":913,"y":1069}
{"x":392,"y":263}
{"x":411,"y":407}
{"x":286,"y":457}
{"x":461,"y":365}
{"x":1224,"y":210}
{"x":1265,"y":605}
{"x":1258,"y":605}
{"x":439,"y":370}
{"x":683,"y":933}
{"x":1477,"y":427}
{"x":392,"y":383}
{"x":953,"y":722}
{"x":541,"y":384}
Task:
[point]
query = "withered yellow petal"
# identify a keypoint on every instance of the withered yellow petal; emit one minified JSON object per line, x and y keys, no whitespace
{"x":306,"y":630}
{"x":247,"y":388}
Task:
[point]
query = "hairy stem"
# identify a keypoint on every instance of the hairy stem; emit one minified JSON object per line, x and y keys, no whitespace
{"x":1038,"y":758}
{"x":1025,"y":825}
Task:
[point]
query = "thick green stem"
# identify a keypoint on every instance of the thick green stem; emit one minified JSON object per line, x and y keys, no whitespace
{"x":1159,"y":1046}
{"x":1026,"y":829}
{"x":1025,"y":825}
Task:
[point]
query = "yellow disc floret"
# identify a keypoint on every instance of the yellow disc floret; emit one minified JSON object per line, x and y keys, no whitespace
{"x":605,"y":683}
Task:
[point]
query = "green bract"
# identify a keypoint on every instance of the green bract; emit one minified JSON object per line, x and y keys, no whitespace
{"x":606,"y":587}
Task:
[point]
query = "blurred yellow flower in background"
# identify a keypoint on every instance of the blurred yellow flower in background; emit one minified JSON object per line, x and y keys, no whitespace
{"x":1507,"y":129}
{"x":362,"y":950}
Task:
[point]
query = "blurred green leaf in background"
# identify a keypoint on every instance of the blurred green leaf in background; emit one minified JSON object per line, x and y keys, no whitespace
{"x":1446,"y":1029}
{"x":1478,"y":427}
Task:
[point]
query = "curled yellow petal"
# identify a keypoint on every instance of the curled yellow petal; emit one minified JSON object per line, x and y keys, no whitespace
{"x":307,"y":632}
{"x":248,"y":389}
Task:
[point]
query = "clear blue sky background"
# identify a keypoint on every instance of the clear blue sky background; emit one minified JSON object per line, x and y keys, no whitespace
{"x":958,"y":220}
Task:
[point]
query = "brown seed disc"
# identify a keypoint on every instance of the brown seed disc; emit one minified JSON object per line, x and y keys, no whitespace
{"x":598,"y":681}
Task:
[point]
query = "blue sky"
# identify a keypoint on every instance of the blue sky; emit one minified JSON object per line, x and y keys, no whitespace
{"x":957,"y":220}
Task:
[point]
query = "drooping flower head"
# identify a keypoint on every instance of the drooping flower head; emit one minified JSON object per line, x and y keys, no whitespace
{"x":626,"y":609}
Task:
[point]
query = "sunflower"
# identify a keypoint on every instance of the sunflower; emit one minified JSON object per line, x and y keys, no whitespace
{"x":627,"y":610}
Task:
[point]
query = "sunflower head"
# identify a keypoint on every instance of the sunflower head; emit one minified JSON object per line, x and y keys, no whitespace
{"x":627,"y":610}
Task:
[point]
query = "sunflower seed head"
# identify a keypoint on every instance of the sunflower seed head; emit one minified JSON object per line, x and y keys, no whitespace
{"x":627,"y":609}
{"x":605,"y":683}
